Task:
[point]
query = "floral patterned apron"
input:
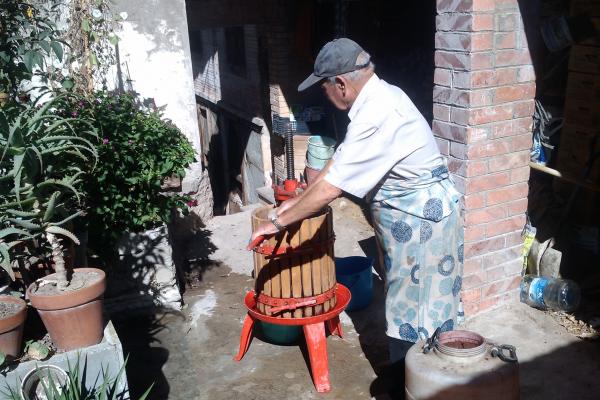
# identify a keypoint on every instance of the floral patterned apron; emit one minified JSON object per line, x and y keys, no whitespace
{"x":419,"y":232}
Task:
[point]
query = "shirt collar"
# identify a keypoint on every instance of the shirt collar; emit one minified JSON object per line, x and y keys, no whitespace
{"x":363,"y":95}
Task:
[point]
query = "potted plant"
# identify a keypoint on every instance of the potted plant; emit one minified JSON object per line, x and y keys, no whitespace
{"x":13,"y":312}
{"x":43,"y":159}
{"x":128,"y":207}
{"x":28,"y":40}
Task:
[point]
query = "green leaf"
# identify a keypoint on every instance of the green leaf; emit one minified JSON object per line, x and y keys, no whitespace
{"x":45,"y":45}
{"x":5,"y":263}
{"x":38,"y":59}
{"x":13,"y":231}
{"x":18,"y":163}
{"x":25,"y":224}
{"x":64,"y":221}
{"x":57,"y":230}
{"x":93,"y":59}
{"x":63,"y":183}
{"x":28,"y":60}
{"x":57,"y":49}
{"x":21,"y":203}
{"x":38,"y":154}
{"x":37,"y":350}
{"x":44,"y":34}
{"x":85,"y":25}
{"x":18,"y":185}
{"x":19,"y":213}
{"x":113,"y":39}
{"x":50,"y":207}
{"x":67,"y":84}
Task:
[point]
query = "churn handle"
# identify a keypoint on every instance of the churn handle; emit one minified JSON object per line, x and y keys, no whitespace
{"x":498,"y":351}
{"x":432,"y":341}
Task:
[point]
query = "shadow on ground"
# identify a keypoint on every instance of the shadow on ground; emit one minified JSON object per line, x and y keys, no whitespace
{"x":369,"y":324}
{"x":143,"y":331}
{"x":145,"y":354}
{"x":192,"y":249}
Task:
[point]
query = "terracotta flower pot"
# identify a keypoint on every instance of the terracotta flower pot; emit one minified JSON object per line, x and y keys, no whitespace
{"x":11,"y":327}
{"x":73,"y":318}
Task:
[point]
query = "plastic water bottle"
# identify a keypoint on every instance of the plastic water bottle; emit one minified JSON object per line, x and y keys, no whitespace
{"x":550,"y":293}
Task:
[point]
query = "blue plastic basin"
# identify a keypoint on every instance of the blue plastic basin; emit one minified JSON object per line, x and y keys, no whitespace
{"x":355,"y":273}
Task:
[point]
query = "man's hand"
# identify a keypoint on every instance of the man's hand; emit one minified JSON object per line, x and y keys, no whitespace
{"x":265,"y":229}
{"x":314,"y":198}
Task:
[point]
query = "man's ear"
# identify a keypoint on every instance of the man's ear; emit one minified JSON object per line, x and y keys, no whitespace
{"x":340,"y":82}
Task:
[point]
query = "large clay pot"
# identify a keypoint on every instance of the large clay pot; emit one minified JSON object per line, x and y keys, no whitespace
{"x":73,"y":318}
{"x":11,"y":327}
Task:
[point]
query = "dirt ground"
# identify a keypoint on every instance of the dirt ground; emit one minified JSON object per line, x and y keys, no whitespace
{"x":189,"y":354}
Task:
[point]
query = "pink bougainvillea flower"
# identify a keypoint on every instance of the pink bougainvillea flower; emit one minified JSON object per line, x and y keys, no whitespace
{"x":192,"y":203}
{"x":105,"y":141}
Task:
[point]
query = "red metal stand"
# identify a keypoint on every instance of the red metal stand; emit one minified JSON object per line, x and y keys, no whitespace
{"x":314,"y":333}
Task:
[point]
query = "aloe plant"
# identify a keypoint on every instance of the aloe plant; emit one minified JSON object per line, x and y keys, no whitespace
{"x":42,"y":162}
{"x":107,"y":387}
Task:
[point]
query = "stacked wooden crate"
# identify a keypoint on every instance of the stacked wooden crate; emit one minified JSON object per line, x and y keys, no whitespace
{"x":581,"y":133}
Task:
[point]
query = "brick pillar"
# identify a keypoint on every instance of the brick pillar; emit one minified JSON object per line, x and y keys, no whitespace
{"x":483,"y":107}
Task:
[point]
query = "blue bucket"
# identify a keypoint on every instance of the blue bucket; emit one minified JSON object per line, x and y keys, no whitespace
{"x":281,"y":334}
{"x":355,"y":273}
{"x":320,"y":150}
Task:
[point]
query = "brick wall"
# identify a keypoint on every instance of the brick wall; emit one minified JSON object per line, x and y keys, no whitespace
{"x":483,"y":106}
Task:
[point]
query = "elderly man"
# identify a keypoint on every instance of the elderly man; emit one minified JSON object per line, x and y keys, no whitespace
{"x":389,"y":156}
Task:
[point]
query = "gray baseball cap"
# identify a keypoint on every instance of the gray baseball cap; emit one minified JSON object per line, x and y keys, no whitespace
{"x":335,"y":58}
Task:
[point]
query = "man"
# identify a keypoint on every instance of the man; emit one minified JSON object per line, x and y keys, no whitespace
{"x":390,"y":157}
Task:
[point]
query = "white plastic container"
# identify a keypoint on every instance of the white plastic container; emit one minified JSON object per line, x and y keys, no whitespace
{"x":461,"y":365}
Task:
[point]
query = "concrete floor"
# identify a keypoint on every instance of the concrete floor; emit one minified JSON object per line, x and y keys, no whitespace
{"x":189,"y":355}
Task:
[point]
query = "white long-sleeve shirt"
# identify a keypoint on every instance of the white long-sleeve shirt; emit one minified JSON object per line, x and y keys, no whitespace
{"x":387,"y":140}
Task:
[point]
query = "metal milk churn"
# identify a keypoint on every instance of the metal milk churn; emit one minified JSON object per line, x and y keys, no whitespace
{"x":461,"y":365}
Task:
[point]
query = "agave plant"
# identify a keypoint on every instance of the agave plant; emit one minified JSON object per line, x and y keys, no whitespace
{"x":71,"y":384}
{"x":42,"y":160}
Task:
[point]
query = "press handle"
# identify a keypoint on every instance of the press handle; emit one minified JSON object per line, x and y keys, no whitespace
{"x":255,"y":243}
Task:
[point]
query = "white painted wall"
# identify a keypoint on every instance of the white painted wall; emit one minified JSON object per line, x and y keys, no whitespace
{"x":154,"y":51}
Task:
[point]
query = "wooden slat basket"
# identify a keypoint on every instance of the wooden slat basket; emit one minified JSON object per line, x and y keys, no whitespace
{"x":297,"y":274}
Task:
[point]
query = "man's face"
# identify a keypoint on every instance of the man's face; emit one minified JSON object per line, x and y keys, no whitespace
{"x":335,"y":94}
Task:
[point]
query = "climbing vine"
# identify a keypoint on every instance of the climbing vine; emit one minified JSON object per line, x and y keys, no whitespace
{"x":92,"y":42}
